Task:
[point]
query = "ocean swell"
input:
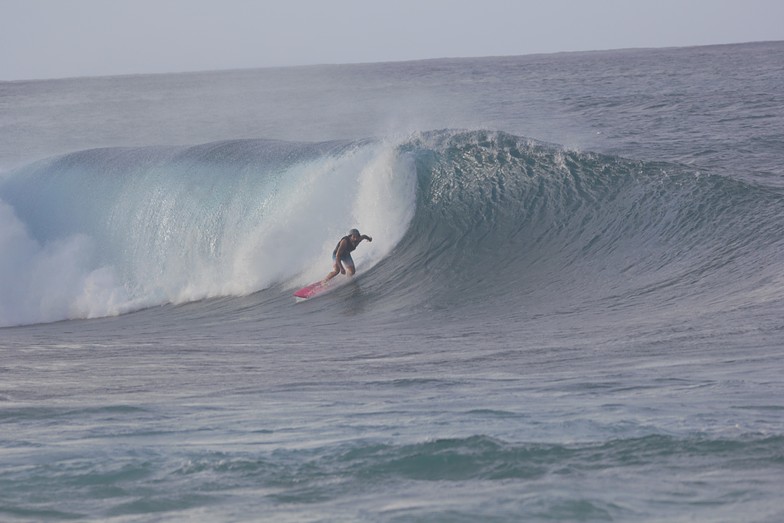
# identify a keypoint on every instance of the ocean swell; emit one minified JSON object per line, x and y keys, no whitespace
{"x":459,"y":218}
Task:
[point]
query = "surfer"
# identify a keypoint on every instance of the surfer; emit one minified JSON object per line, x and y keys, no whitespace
{"x":341,"y":256}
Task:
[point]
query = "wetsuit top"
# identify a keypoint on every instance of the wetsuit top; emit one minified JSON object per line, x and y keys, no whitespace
{"x":350,"y":248}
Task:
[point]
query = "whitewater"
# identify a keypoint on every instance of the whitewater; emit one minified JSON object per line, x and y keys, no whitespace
{"x":571,"y":309}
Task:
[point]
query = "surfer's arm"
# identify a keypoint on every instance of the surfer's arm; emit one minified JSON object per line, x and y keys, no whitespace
{"x":366,"y":237}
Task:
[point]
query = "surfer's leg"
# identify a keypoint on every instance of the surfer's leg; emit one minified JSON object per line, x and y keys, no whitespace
{"x":335,"y":271}
{"x":348,"y":263}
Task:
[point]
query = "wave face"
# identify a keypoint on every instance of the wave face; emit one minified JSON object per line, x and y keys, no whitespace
{"x":517,"y":224}
{"x":459,"y":218}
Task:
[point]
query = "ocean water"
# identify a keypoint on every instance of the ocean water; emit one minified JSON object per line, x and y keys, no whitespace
{"x":571,"y":310}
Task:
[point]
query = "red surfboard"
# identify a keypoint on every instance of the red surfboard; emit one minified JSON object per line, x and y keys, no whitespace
{"x":314,"y":289}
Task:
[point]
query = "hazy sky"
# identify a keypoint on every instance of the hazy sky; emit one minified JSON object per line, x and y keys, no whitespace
{"x":60,"y":38}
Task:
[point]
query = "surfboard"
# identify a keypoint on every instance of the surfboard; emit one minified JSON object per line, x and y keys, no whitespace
{"x":314,"y":289}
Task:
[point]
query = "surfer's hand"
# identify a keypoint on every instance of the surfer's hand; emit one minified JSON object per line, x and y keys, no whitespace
{"x":369,"y":238}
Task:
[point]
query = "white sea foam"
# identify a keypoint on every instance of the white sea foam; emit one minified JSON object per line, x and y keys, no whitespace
{"x":177,"y":233}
